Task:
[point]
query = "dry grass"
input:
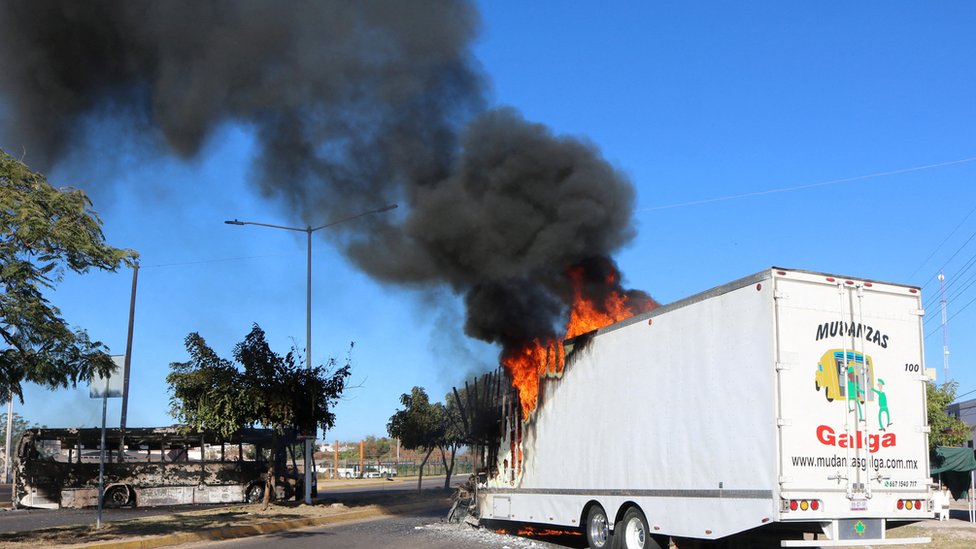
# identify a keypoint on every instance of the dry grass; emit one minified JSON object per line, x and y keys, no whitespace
{"x":953,"y":534}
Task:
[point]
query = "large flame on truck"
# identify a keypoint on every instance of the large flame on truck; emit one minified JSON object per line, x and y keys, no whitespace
{"x":594,"y":306}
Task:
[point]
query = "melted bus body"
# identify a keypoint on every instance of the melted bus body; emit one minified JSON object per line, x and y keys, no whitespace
{"x":706,"y":420}
{"x":57,"y":468}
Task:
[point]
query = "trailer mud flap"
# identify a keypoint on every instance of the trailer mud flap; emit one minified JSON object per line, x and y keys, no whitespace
{"x":860,"y":528}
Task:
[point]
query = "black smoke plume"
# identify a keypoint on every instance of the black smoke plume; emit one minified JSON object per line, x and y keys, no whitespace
{"x":354,"y":104}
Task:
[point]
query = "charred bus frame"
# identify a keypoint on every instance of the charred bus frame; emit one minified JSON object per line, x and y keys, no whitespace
{"x":56,"y":468}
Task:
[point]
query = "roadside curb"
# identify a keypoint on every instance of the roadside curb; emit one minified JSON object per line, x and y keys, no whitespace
{"x":233,"y":532}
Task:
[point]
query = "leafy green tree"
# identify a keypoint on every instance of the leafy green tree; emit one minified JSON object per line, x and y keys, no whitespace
{"x":204,"y":390}
{"x":44,"y":232}
{"x":19,"y":426}
{"x":420,"y":425}
{"x":273,"y":391}
{"x":376,"y":448}
{"x":351,"y":454}
{"x":945,"y":430}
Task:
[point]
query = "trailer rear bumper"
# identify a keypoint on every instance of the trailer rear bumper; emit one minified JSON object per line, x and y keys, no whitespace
{"x":852,"y":542}
{"x":852,"y":532}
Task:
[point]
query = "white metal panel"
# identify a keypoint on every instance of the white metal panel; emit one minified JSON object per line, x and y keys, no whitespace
{"x":845,"y":449}
{"x":678,"y":409}
{"x":706,"y":413}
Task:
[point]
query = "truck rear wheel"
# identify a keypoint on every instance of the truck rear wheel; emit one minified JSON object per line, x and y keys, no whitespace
{"x":632,"y":532}
{"x":597,"y":528}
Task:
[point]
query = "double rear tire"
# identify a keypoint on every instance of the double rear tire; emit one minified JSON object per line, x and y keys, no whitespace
{"x":630,"y":532}
{"x":597,"y":528}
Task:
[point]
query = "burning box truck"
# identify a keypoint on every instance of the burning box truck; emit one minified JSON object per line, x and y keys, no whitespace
{"x":783,"y":409}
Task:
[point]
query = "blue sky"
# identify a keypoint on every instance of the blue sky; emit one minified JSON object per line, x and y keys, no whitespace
{"x":693,"y":101}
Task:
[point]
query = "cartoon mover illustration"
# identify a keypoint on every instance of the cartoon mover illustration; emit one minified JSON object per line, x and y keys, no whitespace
{"x":857,"y":371}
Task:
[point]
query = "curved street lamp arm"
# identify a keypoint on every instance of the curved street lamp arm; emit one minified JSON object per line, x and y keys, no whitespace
{"x":236,"y":222}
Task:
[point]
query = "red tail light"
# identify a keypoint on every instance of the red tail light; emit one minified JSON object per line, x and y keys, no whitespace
{"x":909,"y":504}
{"x":805,"y":504}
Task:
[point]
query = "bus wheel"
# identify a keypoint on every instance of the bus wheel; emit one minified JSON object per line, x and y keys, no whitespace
{"x":254,"y":493}
{"x":632,"y":532}
{"x":597,"y":528}
{"x":116,"y":496}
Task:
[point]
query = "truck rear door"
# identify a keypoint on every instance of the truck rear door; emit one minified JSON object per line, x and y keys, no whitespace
{"x":851,"y":397}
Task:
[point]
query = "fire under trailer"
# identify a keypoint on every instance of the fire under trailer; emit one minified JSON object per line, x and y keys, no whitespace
{"x":785,"y":409}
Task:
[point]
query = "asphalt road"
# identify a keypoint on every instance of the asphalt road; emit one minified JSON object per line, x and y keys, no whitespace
{"x":19,"y":520}
{"x":424,"y":530}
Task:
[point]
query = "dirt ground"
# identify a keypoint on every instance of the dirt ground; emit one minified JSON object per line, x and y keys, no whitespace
{"x":956,"y":533}
{"x":250,"y":516}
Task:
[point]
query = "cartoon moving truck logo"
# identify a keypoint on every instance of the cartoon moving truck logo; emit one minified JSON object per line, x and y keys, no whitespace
{"x":849,"y":375}
{"x":845,"y":374}
{"x":842,"y":379}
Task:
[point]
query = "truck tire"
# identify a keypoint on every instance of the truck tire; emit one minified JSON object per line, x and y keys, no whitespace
{"x":254,"y":493}
{"x":117,"y":496}
{"x":632,"y":532}
{"x":597,"y":528}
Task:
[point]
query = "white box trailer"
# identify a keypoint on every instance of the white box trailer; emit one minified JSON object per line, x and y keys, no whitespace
{"x":784,"y":409}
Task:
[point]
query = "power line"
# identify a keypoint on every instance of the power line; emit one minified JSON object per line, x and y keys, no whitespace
{"x":937,"y":248}
{"x":965,"y":283}
{"x":968,"y":240}
{"x":957,"y":276}
{"x":215,"y":260}
{"x":959,"y":310}
{"x":970,"y":281}
{"x":966,"y":393}
{"x":808,"y":186}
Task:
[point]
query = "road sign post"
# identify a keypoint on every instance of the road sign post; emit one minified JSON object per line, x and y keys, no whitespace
{"x":105,"y":388}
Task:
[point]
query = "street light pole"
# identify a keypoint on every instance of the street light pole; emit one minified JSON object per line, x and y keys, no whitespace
{"x":308,"y":230}
{"x":308,"y":366}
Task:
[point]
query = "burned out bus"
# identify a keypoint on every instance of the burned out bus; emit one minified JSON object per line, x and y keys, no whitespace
{"x":57,"y":468}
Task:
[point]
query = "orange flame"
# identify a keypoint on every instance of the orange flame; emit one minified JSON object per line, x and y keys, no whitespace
{"x":547,"y":532}
{"x":527,"y":364}
{"x":530,"y":532}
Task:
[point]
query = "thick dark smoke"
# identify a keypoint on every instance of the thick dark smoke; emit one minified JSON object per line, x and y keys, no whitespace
{"x":355,"y":104}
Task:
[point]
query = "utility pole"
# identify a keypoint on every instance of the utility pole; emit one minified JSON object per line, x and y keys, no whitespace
{"x":945,"y":330}
{"x":309,"y":438}
{"x":128,"y":362}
